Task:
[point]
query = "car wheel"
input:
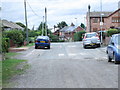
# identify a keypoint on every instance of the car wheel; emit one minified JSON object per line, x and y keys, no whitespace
{"x":48,"y":47}
{"x":84,"y":46}
{"x":114,"y":58}
{"x":98,"y":45}
{"x":35,"y":47}
{"x":109,"y":59}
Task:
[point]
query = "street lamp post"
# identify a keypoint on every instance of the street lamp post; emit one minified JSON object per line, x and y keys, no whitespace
{"x":76,"y":21}
{"x":101,"y":23}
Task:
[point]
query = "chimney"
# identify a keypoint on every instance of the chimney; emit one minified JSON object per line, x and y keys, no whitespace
{"x":72,"y":24}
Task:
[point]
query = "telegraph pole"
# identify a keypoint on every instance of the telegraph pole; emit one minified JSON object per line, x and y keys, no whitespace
{"x":43,"y":27}
{"x":89,"y":21}
{"x":26,"y":22}
{"x":46,"y":21}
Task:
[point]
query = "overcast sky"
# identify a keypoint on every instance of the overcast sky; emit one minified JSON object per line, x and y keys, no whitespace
{"x":57,"y":10}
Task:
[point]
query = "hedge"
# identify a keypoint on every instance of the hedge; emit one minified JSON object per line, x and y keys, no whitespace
{"x":54,"y":38}
{"x":16,"y":35}
{"x":110,"y":32}
{"x":78,"y":36}
{"x":5,"y":44}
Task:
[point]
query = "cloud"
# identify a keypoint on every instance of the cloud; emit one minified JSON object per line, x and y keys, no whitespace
{"x":57,"y":10}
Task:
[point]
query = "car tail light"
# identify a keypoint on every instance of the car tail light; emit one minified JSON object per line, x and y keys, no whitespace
{"x":98,"y":37}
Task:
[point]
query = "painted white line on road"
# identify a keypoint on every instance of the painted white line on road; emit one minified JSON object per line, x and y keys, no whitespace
{"x":72,"y":46}
{"x":30,"y":53}
{"x":82,"y":54}
{"x":72,"y":54}
{"x":61,"y":54}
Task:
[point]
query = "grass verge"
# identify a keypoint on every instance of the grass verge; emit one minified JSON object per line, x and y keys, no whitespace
{"x":11,"y":67}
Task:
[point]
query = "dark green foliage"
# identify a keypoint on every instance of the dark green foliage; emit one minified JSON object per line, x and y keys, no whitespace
{"x":34,"y":33}
{"x":82,"y":25}
{"x":110,"y":32}
{"x":15,"y":35}
{"x":21,"y":24}
{"x":62,"y":24}
{"x":40,"y":26}
{"x":54,"y":38}
{"x":31,"y":39}
{"x":78,"y":36}
{"x":5,"y":44}
{"x":61,"y":41}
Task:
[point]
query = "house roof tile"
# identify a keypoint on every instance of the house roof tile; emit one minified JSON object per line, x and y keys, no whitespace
{"x":8,"y":24}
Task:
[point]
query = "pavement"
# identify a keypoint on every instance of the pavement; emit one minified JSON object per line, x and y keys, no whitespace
{"x":18,"y":49}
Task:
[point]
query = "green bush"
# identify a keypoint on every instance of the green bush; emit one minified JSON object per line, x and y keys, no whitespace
{"x":5,"y":44}
{"x":78,"y":36}
{"x":15,"y":35}
{"x":54,"y":38}
{"x":61,"y":41}
{"x":34,"y":33}
{"x":31,"y":39}
{"x":110,"y":32}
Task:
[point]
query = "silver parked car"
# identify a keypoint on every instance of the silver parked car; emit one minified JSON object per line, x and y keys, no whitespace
{"x":91,"y":40}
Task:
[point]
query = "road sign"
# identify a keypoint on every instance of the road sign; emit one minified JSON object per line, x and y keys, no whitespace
{"x":101,"y":23}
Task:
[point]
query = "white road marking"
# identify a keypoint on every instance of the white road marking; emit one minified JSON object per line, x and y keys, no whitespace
{"x":72,"y":46}
{"x":30,"y":53}
{"x":72,"y":54}
{"x":61,"y":54}
{"x":82,"y":53}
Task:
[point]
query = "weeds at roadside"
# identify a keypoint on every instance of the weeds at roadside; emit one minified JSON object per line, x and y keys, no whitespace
{"x":9,"y":68}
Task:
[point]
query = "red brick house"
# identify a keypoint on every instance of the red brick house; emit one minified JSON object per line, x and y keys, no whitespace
{"x":110,"y":19}
{"x":67,"y":33}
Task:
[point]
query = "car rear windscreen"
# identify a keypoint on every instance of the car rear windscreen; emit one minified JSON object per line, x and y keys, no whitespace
{"x":43,"y":37}
{"x":90,"y":35}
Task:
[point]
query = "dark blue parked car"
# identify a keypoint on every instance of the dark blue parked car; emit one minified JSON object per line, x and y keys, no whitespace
{"x":113,"y":49}
{"x":42,"y":42}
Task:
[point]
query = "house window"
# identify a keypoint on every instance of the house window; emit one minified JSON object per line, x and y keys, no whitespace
{"x":95,"y":20}
{"x":116,"y":19}
{"x":95,"y":29}
{"x":102,"y":19}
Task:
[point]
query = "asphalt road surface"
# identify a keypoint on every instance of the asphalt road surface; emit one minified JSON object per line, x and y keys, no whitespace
{"x":67,"y":65}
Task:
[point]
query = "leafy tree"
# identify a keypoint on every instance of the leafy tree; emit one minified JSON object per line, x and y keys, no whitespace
{"x":82,"y":25}
{"x":62,"y":24}
{"x":20,"y":24}
{"x":40,"y":26}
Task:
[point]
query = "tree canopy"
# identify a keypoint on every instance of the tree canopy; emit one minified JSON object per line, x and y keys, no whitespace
{"x":40,"y":26}
{"x":20,"y":24}
{"x":62,"y":24}
{"x":82,"y":25}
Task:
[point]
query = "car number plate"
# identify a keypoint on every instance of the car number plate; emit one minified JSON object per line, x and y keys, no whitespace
{"x":92,"y":44}
{"x":42,"y":41}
